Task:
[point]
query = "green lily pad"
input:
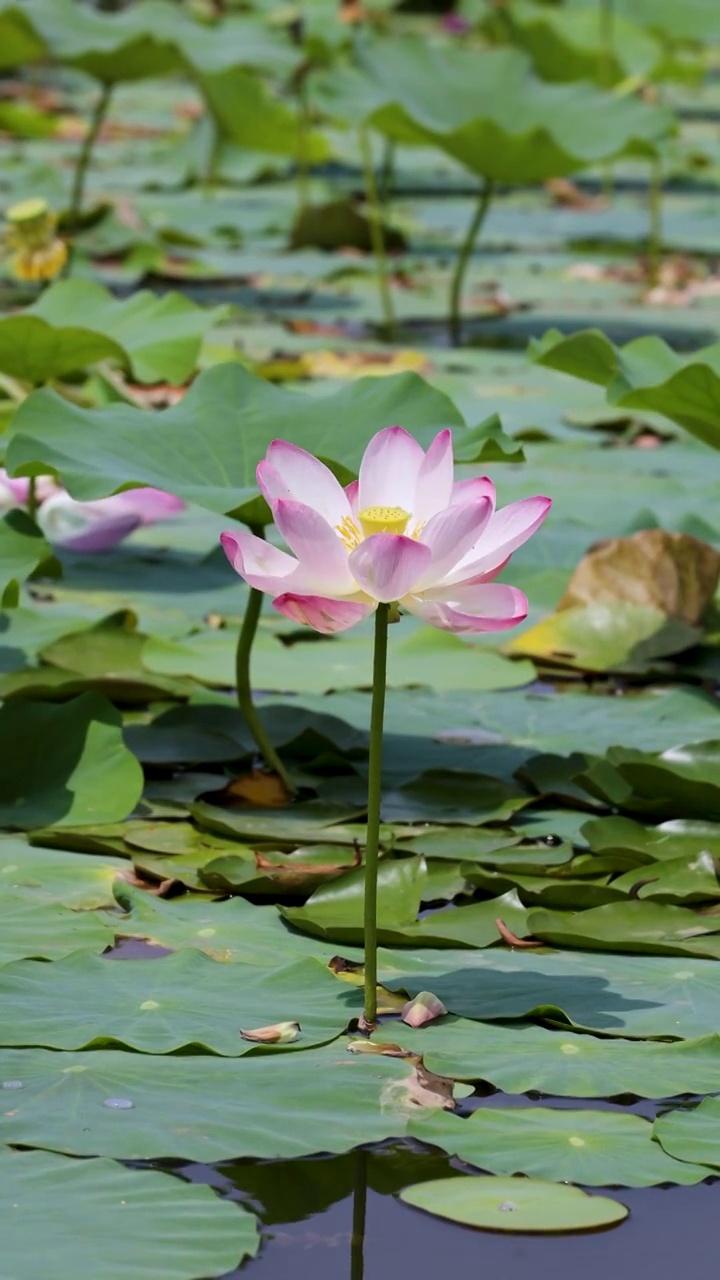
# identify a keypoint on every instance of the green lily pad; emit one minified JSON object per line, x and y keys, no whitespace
{"x":23,"y":551}
{"x":182,"y":1000}
{"x":207,"y":1109}
{"x":426,"y":657}
{"x":514,"y":1204}
{"x":644,"y":927}
{"x":616,"y":636}
{"x":70,"y":879}
{"x":193,"y":448}
{"x":48,"y":930}
{"x":461,"y":844}
{"x":491,"y":114}
{"x":566,"y":46}
{"x":335,"y":912}
{"x":645,"y":374}
{"x":157,"y":338}
{"x":681,"y":782}
{"x":524,"y":1057}
{"x":668,"y":841}
{"x":79,"y":1210}
{"x":595,"y":1148}
{"x":35,"y":351}
{"x":447,"y":796}
{"x":692,"y":1135}
{"x":650,"y":996}
{"x":234,"y":931}
{"x":65,"y":765}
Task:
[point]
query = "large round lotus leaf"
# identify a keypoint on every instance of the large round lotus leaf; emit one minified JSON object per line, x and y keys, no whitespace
{"x":207,"y":447}
{"x":35,"y":351}
{"x":575,"y":721}
{"x":232,"y":931}
{"x":644,"y":374}
{"x":69,"y":1218}
{"x":514,"y":1204}
{"x":519,"y":1058}
{"x":654,"y":928}
{"x":490,"y":112}
{"x":565,"y":44}
{"x":668,"y":841}
{"x":180,"y":1000}
{"x":65,"y":765}
{"x":206,"y":1108}
{"x":30,"y":926}
{"x":157,"y":337}
{"x":649,"y":996}
{"x":56,"y":877}
{"x":692,"y":1135}
{"x":594,"y":1148}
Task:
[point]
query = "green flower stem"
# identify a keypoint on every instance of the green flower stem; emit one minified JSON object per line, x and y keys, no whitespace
{"x":372,"y":839}
{"x":655,"y":232}
{"x":302,"y":164}
{"x":357,"y":1240}
{"x":32,"y":498}
{"x":244,"y":689}
{"x":461,"y":266}
{"x":78,"y":188}
{"x":606,"y":15}
{"x":387,"y":171}
{"x":377,"y":237}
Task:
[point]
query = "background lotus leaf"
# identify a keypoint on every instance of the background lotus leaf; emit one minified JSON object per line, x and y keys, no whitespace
{"x":644,"y":374}
{"x":79,"y":1209}
{"x":207,"y":447}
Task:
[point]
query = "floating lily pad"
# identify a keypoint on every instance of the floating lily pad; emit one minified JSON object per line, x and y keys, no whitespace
{"x":203,"y":1108}
{"x":521,"y":1058}
{"x":158,"y":338}
{"x":692,"y":1135}
{"x":595,"y":1148}
{"x":185,"y":999}
{"x":65,"y":765}
{"x":645,"y":374}
{"x":193,"y":450}
{"x":514,"y":1204}
{"x":81,"y":1211}
{"x":649,"y":996}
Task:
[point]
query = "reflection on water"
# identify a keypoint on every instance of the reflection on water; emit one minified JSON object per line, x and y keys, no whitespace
{"x":339,"y":1218}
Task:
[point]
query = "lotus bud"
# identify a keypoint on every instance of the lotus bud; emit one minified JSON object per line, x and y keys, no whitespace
{"x":38,"y":253}
{"x":424,"y":1008}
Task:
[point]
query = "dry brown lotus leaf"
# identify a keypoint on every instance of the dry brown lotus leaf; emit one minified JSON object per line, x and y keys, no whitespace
{"x":259,"y":789}
{"x":672,"y":572}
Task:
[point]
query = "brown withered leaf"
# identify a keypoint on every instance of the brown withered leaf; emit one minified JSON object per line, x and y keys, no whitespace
{"x":512,"y":939}
{"x":160,"y":888}
{"x":673,"y":572}
{"x":566,"y":195}
{"x":259,"y":789}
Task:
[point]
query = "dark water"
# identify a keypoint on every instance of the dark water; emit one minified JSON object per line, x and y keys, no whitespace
{"x":307,"y":1209}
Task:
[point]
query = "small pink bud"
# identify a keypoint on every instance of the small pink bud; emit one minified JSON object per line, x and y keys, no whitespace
{"x":424,"y":1008}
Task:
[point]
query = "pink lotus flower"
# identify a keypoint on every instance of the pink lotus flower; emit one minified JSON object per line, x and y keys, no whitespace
{"x":404,"y":532}
{"x":88,"y":526}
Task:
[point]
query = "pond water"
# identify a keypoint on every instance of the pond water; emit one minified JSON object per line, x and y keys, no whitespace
{"x":307,"y":1206}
